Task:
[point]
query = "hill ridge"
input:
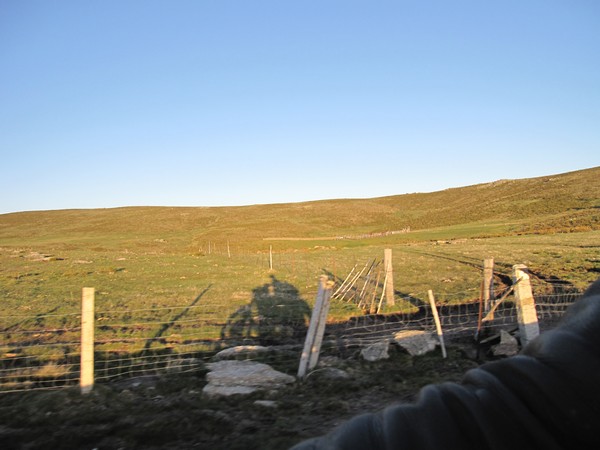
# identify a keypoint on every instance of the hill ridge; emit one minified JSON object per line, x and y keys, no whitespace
{"x":557,"y":202}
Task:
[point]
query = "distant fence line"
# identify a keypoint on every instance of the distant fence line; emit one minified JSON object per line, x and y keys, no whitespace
{"x":294,"y":261}
{"x":44,"y":351}
{"x":232,"y":248}
{"x":374,"y":234}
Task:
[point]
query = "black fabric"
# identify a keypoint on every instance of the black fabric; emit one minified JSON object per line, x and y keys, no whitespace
{"x":548,"y":397}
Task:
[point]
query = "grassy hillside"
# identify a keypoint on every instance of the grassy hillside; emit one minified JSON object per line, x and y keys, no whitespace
{"x":162,"y":296}
{"x":164,"y":274}
{"x":145,"y":255}
{"x":140,"y":254}
{"x":566,"y":202}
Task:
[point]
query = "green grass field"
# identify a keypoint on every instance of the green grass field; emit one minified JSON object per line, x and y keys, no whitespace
{"x":158,"y":272}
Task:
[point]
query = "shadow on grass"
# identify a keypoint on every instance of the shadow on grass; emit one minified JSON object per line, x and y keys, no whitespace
{"x":277,"y":314}
{"x":173,"y":321}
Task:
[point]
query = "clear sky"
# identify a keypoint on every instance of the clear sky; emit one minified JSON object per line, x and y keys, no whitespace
{"x":233,"y":102}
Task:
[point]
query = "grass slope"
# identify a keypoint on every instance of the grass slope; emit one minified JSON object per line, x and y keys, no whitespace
{"x":157,"y":284}
{"x":142,"y":256}
{"x":566,"y":202}
{"x":154,"y":277}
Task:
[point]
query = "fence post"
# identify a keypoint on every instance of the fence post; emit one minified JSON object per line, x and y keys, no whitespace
{"x":488,"y":283}
{"x":316,"y":328}
{"x":270,"y":257}
{"x":86,"y":380}
{"x":389,"y":276}
{"x":438,"y":324}
{"x":526,"y":313}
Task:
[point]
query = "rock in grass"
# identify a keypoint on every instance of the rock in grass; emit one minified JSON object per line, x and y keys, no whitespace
{"x":376,"y":351}
{"x":415,"y":342}
{"x":242,"y":377}
{"x":508,"y":345}
{"x":241,"y":350}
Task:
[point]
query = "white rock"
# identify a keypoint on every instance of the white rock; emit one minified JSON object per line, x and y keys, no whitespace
{"x":508,"y":345}
{"x":416,"y":342}
{"x":376,"y":351}
{"x":216,"y":390}
{"x":240,"y":350}
{"x":243,"y":377}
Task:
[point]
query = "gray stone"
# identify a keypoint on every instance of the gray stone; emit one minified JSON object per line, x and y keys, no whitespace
{"x":508,"y":345}
{"x":217,"y":390}
{"x":240,"y":350}
{"x":376,"y":351}
{"x":242,"y":377}
{"x":416,"y":342}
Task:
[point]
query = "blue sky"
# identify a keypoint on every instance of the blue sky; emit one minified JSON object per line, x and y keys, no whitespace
{"x":233,"y":102}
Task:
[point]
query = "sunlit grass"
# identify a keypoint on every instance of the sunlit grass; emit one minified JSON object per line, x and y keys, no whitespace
{"x":165,"y":273}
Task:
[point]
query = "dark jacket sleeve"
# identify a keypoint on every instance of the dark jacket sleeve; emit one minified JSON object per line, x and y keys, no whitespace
{"x":548,"y":397}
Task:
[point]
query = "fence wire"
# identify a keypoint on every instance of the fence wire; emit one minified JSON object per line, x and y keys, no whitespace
{"x":43,"y":351}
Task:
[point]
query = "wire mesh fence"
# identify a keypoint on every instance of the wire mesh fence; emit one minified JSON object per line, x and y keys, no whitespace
{"x":39,"y":351}
{"x":43,"y":351}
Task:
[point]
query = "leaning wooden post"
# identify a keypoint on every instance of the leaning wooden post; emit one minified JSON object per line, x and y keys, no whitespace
{"x":389,"y":275}
{"x":372,"y":309}
{"x":438,"y":324}
{"x":526,"y":313}
{"x":488,"y":283}
{"x":316,"y":328}
{"x":86,"y":380}
{"x":270,"y":257}
{"x":316,"y":348}
{"x":382,"y":294}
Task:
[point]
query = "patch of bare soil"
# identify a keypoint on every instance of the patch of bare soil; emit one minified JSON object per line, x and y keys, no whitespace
{"x":170,"y":412}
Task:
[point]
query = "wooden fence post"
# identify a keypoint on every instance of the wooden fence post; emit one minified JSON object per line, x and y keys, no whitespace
{"x":438,"y":324}
{"x":389,"y":276}
{"x":86,"y":380}
{"x":526,"y":313}
{"x":270,"y":257}
{"x":316,"y":328}
{"x":372,"y":309}
{"x":382,"y":294}
{"x":488,"y":283}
